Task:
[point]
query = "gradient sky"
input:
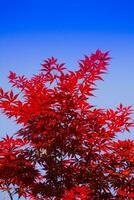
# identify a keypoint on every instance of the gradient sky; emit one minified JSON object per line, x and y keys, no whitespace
{"x":32,"y":30}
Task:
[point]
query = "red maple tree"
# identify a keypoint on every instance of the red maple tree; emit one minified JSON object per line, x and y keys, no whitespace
{"x":67,"y":149}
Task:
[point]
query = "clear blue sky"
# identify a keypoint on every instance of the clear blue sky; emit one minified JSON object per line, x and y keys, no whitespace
{"x":32,"y":30}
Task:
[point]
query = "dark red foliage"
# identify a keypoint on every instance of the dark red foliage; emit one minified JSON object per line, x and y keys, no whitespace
{"x":66,"y":149}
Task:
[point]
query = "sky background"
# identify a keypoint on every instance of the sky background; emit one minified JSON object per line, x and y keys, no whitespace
{"x":32,"y":30}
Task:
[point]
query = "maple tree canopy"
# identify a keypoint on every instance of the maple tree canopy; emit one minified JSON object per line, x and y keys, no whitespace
{"x":66,"y":148}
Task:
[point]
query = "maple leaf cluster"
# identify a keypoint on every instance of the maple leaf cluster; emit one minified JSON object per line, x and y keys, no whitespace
{"x":67,"y":149}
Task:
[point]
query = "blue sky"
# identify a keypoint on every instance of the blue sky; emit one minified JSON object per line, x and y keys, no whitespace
{"x":31,"y":31}
{"x":66,"y":16}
